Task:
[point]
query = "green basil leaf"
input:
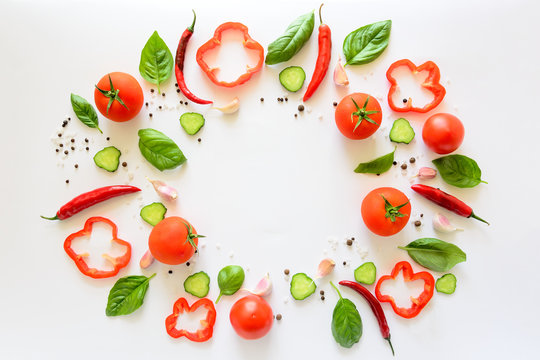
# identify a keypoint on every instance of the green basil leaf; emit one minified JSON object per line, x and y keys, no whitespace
{"x":346,"y":323}
{"x":160,"y":150}
{"x":127,"y":295}
{"x":365,"y":44}
{"x":85,"y":112}
{"x":378,"y":166}
{"x":230,"y":280}
{"x":156,"y":60}
{"x":435,"y":254}
{"x":459,"y":170}
{"x":288,"y":44}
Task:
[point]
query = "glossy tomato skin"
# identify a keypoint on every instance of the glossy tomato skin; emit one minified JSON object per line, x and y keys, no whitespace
{"x":168,"y":241}
{"x":130,"y":93}
{"x":343,"y":116}
{"x":443,"y":133}
{"x":251,"y":317}
{"x":373,"y":211}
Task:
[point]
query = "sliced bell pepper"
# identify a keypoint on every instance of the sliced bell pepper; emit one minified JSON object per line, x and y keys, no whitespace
{"x":249,"y":43}
{"x":431,"y":83}
{"x":204,"y":333}
{"x":79,"y":259}
{"x":408,"y":275}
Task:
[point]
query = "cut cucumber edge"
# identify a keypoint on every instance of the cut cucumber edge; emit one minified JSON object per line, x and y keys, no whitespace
{"x":366,"y":273}
{"x":402,"y":131}
{"x":191,"y":122}
{"x":108,"y":158}
{"x":153,"y":213}
{"x":197,"y":284}
{"x":446,"y":284}
{"x":292,"y":78}
{"x":302,"y":286}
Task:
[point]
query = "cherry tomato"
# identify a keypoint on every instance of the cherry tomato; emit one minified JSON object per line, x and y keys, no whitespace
{"x":386,"y":211}
{"x":443,"y":133}
{"x":251,"y":317}
{"x":173,"y":241}
{"x":358,"y":116}
{"x":125,"y":95}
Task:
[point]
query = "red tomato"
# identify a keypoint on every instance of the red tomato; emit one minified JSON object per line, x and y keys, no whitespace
{"x":386,"y":219}
{"x":354,"y":107}
{"x":251,"y":317}
{"x":443,"y":133}
{"x":169,"y":241}
{"x":126,"y":90}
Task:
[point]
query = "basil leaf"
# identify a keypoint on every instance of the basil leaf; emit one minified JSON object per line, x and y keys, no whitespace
{"x":160,"y":150}
{"x":230,"y":279}
{"x":459,"y":170}
{"x":85,"y":112}
{"x":127,"y":295}
{"x":288,"y":44}
{"x":378,"y":166}
{"x":346,"y":323}
{"x":365,"y":44}
{"x":156,"y":60}
{"x":435,"y":254}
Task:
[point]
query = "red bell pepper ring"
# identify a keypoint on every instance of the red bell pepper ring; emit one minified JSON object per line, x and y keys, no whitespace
{"x":431,"y":83}
{"x":214,"y":42}
{"x":79,"y":259}
{"x":408,"y":275}
{"x":204,"y":333}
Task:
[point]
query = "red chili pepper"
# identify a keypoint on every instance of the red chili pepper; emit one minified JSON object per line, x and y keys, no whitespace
{"x":408,"y":275}
{"x":431,"y":84}
{"x":179,"y":64}
{"x":323,"y":59}
{"x":180,"y":306}
{"x":90,"y":198}
{"x":249,"y":43}
{"x":447,"y":201}
{"x":375,"y":307}
{"x":118,"y":262}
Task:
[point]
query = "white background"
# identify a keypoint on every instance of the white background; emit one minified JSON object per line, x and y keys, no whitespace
{"x":270,"y":189}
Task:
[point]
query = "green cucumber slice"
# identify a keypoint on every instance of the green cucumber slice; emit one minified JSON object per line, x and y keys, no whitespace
{"x":192,"y":122}
{"x":153,"y":213}
{"x":197,"y":284}
{"x":366,"y":273}
{"x":402,"y":131}
{"x":292,"y":78}
{"x":302,"y":286}
{"x":446,"y":284}
{"x":108,"y":158}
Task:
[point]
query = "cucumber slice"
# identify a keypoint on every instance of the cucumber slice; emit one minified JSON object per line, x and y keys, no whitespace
{"x":446,"y":284}
{"x":153,"y":213}
{"x":366,"y":273}
{"x":292,"y":78}
{"x":302,"y":286}
{"x":402,"y":131}
{"x":108,"y":158}
{"x":192,"y":122}
{"x":197,"y":284}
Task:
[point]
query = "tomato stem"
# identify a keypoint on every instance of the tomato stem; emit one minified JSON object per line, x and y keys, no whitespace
{"x":393,"y":211}
{"x":362,"y":113}
{"x":112,"y":94}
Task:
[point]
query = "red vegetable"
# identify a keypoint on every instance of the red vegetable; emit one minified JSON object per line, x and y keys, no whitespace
{"x":251,"y":317}
{"x":90,"y":198}
{"x":323,"y":59}
{"x":180,"y":306}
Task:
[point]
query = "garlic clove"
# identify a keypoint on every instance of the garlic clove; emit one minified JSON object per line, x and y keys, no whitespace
{"x":340,"y":76}
{"x":264,"y":286}
{"x":164,"y":190}
{"x":231,"y":107}
{"x":146,"y":260}
{"x":325,"y":267}
{"x":426,"y":173}
{"x":443,"y":225}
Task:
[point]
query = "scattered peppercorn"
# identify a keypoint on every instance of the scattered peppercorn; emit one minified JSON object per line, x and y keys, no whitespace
{"x":404,"y":166}
{"x":262,"y":99}
{"x":69,"y":119}
{"x":187,"y":264}
{"x":177,"y":90}
{"x":176,"y":84}
{"x":344,"y":263}
{"x":349,"y":242}
{"x":185,"y":103}
{"x":199,"y":139}
{"x":61,"y":145}
{"x":59,"y":135}
{"x":146,"y":104}
{"x":321,"y":292}
{"x":412,"y":160}
{"x":378,"y":174}
{"x":279,"y":317}
{"x":301,"y":107}
{"x":404,"y":101}
{"x":163,"y":94}
{"x":322,"y":298}
{"x":108,"y":138}
{"x":335,"y":103}
{"x":86,"y":140}
{"x":352,"y":238}
{"x":57,"y":150}
{"x":295,"y":115}
{"x":66,"y":152}
{"x":170,"y":271}
{"x":151,"y":90}
{"x":160,"y":107}
{"x":67,"y":181}
{"x":395,"y":162}
{"x":150,"y":115}
{"x":417,"y":223}
{"x":181,"y":102}
{"x":87,"y":148}
{"x":286,"y":271}
{"x":76,"y":166}
{"x":286,"y":99}
{"x":63,"y":125}
{"x":73,"y":148}
{"x":421,"y":215}
{"x":124,"y":164}
{"x":72,"y":140}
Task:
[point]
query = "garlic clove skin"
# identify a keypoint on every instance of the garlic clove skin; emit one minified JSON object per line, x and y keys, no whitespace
{"x":164,"y":190}
{"x":340,"y":76}
{"x":326,"y":266}
{"x":264,"y":286}
{"x":443,"y":225}
{"x":146,"y":260}
{"x":231,"y":107}
{"x":426,"y":173}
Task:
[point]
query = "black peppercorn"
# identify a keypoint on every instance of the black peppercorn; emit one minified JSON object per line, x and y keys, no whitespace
{"x":301,"y":107}
{"x":404,"y":166}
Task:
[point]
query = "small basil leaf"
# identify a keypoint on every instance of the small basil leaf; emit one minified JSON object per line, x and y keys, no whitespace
{"x":378,"y":166}
{"x":346,"y":323}
{"x":156,"y":60}
{"x":127,"y":295}
{"x":230,"y":280}
{"x":435,"y":254}
{"x":85,"y":112}
{"x":160,"y":150}
{"x":288,"y":44}
{"x":459,"y":170}
{"x":366,"y":43}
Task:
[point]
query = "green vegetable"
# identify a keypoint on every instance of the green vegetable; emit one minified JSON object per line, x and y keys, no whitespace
{"x":459,"y":170}
{"x":108,"y":158}
{"x":446,"y":284}
{"x":153,"y":213}
{"x":192,"y":122}
{"x":366,"y":43}
{"x":435,"y":254}
{"x":402,"y":131}
{"x":85,"y":112}
{"x":230,"y":279}
{"x":302,"y":286}
{"x":156,"y":61}
{"x":288,"y":44}
{"x":127,"y":295}
{"x":366,"y":273}
{"x":198,"y":284}
{"x":292,"y":78}
{"x":346,"y":322}
{"x":160,"y":150}
{"x":378,"y":166}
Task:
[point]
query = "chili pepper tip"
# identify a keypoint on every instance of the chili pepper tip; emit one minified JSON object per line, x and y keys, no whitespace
{"x":49,"y":218}
{"x":478,"y":218}
{"x":391,"y":347}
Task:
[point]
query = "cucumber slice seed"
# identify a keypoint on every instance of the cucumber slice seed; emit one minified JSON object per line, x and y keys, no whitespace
{"x":197,"y":284}
{"x":292,"y":78}
{"x":366,"y":273}
{"x":192,"y":122}
{"x":302,"y":286}
{"x":108,"y":158}
{"x":402,"y":131}
{"x":153,"y":213}
{"x":446,"y":284}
